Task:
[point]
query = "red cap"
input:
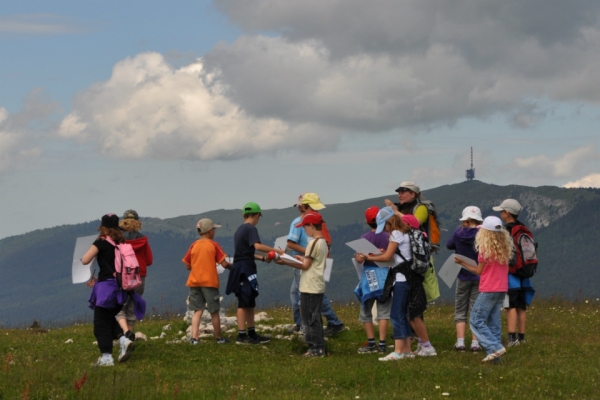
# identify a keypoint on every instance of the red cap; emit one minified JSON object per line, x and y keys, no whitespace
{"x":371,"y":214}
{"x":310,"y":218}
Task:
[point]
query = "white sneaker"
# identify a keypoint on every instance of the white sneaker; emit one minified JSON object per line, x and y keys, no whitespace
{"x":494,"y":355}
{"x":393,"y":356}
{"x":127,"y":348}
{"x":427,"y":351}
{"x":104,"y":362}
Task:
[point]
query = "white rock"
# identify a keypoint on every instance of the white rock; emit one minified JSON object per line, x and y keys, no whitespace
{"x":231,"y":330}
{"x":189,"y":329}
{"x":205,"y":335}
{"x":184,"y":338}
{"x":154,"y":338}
{"x":162,"y":335}
{"x":167,"y":327}
{"x":69,"y":341}
{"x":278,"y":336}
{"x":140,"y":336}
{"x":180,"y":332}
{"x":177,"y":341}
{"x":95,"y":343}
{"x":262,"y":316}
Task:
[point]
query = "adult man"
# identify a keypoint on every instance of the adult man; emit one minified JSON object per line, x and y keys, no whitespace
{"x":520,"y":291}
{"x":297,"y":241}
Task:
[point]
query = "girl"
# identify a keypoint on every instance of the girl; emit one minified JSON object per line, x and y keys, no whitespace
{"x":408,"y":294}
{"x":495,"y":248}
{"x":467,"y":284}
{"x":107,"y":299}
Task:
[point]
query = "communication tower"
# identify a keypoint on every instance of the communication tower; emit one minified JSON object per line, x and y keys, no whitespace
{"x":471,"y":172}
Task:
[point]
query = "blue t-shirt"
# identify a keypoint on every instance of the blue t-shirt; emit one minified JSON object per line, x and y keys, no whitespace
{"x":298,"y":236}
{"x":244,"y":240}
{"x":379,"y":240}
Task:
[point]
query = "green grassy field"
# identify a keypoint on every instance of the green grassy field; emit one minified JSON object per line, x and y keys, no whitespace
{"x":560,"y":360}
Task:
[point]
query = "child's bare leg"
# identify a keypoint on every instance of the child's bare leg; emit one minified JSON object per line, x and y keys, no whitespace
{"x":196,"y":323}
{"x":123,"y":324}
{"x":241,"y":319}
{"x":522,"y":317}
{"x":461,"y":327}
{"x":418,"y":326}
{"x":511,"y":319}
{"x":216,"y":323}
{"x":401,"y":345}
{"x":383,"y":324}
{"x":249,"y":316}
{"x":369,"y":329}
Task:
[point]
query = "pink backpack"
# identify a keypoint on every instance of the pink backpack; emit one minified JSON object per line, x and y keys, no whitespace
{"x":126,"y":266}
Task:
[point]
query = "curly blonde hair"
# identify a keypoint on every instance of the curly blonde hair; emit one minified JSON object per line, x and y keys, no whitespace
{"x":494,"y":246}
{"x":130,"y":225}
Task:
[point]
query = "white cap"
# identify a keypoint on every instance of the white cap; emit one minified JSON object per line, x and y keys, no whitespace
{"x":492,"y":224}
{"x":511,"y":206}
{"x":472,"y":212}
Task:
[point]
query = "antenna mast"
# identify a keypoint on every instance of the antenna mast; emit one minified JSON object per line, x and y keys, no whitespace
{"x":471,"y":172}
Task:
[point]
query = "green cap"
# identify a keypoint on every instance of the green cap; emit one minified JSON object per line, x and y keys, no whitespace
{"x":251,"y":208}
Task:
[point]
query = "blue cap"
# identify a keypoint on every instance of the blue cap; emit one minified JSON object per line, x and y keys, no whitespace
{"x":383,"y":215}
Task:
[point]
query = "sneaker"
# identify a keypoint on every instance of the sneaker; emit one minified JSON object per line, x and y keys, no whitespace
{"x":513,"y":343}
{"x":369,"y":348}
{"x":246,"y":340}
{"x":494,"y":355}
{"x":393,"y":356}
{"x":294,"y":329}
{"x":262,"y":339}
{"x":427,"y":351}
{"x":333,"y":330}
{"x":194,"y":341}
{"x":314,"y":353}
{"x":418,"y":349}
{"x":458,"y":347}
{"x":475,"y":348}
{"x":381,"y":349}
{"x":222,"y":340}
{"x":127,"y":348}
{"x":104,"y":362}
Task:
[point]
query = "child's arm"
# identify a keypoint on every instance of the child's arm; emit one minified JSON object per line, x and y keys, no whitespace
{"x":387,"y":256}
{"x":295,"y":246}
{"x":306,"y":263}
{"x":477,"y":270}
{"x":225,"y":264}
{"x":393,"y":206}
{"x":89,"y":255}
{"x":265,"y":249}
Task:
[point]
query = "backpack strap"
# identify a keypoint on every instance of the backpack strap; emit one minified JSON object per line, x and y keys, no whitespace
{"x":313,"y":246}
{"x":109,"y":240}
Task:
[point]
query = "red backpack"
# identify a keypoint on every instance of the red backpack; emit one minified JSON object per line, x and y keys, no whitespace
{"x":127,"y":269}
{"x":524,"y":261}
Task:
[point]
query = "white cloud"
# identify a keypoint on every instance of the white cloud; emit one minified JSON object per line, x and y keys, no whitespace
{"x":592,"y":180}
{"x":563,"y":166}
{"x":38,"y":24}
{"x":149,"y":109}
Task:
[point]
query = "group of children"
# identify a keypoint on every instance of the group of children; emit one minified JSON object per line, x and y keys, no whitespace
{"x":481,"y":289}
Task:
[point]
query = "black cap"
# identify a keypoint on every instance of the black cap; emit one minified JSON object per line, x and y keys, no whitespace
{"x":110,"y":221}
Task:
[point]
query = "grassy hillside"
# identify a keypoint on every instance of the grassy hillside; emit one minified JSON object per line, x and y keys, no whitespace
{"x":36,"y":267}
{"x":40,"y":365}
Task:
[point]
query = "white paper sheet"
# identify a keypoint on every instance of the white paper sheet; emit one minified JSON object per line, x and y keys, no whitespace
{"x":328,"y":267}
{"x":450,"y":269}
{"x":220,"y":268}
{"x":363,"y":246}
{"x":289,"y":258}
{"x":82,"y":273}
{"x":359,"y":268}
{"x":281,"y":243}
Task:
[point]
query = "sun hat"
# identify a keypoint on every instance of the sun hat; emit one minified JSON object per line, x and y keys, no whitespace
{"x":371,"y":214}
{"x":299,"y":201}
{"x":312,"y":200}
{"x":131,"y":214}
{"x":383,"y":215}
{"x":411,"y":220}
{"x":511,"y":206}
{"x":410,"y":186}
{"x":110,"y":221}
{"x":205,"y":225}
{"x":471,"y":212}
{"x":251,"y":208}
{"x":310,"y":218}
{"x":492,"y":223}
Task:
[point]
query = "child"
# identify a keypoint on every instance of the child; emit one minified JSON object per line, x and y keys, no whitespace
{"x":312,"y":283}
{"x":201,"y":260}
{"x":381,"y":241}
{"x":467,"y":284}
{"x":495,"y":248}
{"x":130,"y":226}
{"x":107,"y":299}
{"x":399,"y":249}
{"x":242,"y":278}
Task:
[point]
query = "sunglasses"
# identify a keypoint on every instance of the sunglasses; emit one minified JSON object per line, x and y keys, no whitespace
{"x":403,"y":190}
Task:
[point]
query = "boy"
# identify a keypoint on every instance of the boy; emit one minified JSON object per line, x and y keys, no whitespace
{"x":242,"y":278}
{"x":381,"y":241}
{"x":297,"y":241}
{"x":520,"y":291}
{"x":201,"y":260}
{"x":312,"y":283}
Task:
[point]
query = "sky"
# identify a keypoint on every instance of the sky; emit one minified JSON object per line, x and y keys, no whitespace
{"x":181,"y":107}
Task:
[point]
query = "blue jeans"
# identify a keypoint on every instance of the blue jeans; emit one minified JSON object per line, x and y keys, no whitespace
{"x":485,"y":320}
{"x":399,"y":313}
{"x":326,"y":310}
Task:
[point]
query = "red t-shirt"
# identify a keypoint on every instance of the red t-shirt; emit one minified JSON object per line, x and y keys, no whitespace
{"x":494,"y":278}
{"x":202,"y":259}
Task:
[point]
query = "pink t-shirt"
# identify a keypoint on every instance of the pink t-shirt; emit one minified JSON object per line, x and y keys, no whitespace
{"x":494,"y":277}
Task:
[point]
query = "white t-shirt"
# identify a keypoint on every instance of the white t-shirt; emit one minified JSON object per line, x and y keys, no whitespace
{"x":404,"y":246}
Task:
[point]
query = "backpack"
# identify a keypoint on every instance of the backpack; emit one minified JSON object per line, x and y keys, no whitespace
{"x":432,"y":225}
{"x":524,"y":261}
{"x":420,"y":249}
{"x":127,"y":269}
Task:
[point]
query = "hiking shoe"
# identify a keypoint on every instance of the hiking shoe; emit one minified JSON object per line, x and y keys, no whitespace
{"x":246,"y":340}
{"x":294,"y":329}
{"x":127,"y":348}
{"x":513,"y":343}
{"x":427,"y":351}
{"x":393,"y":356}
{"x":130,"y":335}
{"x":194,"y":341}
{"x":104,"y":362}
{"x":369,"y":348}
{"x":314,"y":353}
{"x":333,"y":330}
{"x":262,"y":339}
{"x":381,"y":349}
{"x":494,"y":355}
{"x":475,"y":348}
{"x":222,"y":340}
{"x":458,"y":347}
